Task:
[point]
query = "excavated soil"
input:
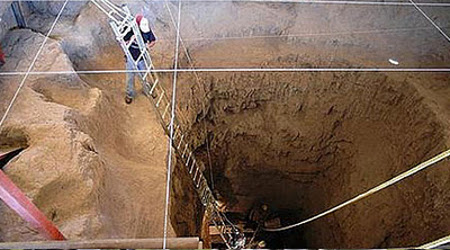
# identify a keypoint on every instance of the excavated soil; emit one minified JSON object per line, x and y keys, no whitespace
{"x":299,"y":142}
{"x":95,"y":166}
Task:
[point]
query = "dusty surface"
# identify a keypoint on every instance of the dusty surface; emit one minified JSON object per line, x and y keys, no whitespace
{"x":301,"y":142}
{"x":90,"y":159}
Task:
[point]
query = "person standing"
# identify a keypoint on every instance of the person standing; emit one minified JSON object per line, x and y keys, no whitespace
{"x":149,"y":40}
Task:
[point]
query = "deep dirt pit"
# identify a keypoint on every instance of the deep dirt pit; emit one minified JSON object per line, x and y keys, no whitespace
{"x":302,"y":143}
{"x":299,"y":142}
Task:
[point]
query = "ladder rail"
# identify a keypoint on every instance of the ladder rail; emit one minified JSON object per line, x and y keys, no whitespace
{"x":105,"y":5}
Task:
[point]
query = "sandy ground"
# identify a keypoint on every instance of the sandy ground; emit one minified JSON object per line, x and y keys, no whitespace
{"x":113,"y":152}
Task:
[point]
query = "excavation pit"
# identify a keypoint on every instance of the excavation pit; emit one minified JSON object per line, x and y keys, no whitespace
{"x":302,"y":143}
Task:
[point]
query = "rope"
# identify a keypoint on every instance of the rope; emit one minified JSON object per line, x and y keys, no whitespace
{"x":206,"y":132}
{"x":431,"y":21}
{"x":391,"y":3}
{"x":217,"y":70}
{"x":241,"y":37}
{"x":356,"y":32}
{"x":436,"y":243}
{"x":22,"y":83}
{"x":191,"y":64}
{"x":181,"y":39}
{"x":386,"y":184}
{"x":169,"y":164}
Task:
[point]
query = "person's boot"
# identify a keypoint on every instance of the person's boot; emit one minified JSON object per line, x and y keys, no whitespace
{"x":154,"y":95}
{"x":128,"y":99}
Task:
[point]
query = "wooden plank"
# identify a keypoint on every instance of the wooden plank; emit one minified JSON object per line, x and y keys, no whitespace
{"x":155,"y":243}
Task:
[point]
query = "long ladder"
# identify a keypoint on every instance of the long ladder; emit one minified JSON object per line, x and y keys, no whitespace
{"x":122,"y":22}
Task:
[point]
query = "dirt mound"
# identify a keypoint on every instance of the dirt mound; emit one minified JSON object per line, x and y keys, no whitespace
{"x":93,"y":165}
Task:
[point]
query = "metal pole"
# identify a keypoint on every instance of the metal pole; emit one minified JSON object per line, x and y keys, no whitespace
{"x":155,"y":243}
{"x":17,"y":201}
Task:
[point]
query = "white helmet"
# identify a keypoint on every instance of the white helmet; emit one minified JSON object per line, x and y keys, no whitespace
{"x":144,"y":26}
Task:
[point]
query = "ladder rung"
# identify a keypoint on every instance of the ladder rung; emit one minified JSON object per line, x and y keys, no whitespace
{"x":175,"y":136}
{"x":160,"y":98}
{"x":165,"y":111}
{"x":195,"y":176}
{"x":136,"y":62}
{"x":185,"y":148}
{"x":154,"y":86}
{"x":147,"y":66}
{"x":120,"y":26}
{"x":141,"y":56}
{"x":189,"y":158}
{"x":175,"y":131}
{"x":192,"y":169}
{"x":199,"y":181}
{"x":181,"y":141}
{"x":192,"y":165}
{"x":147,"y":73}
{"x":149,"y":70}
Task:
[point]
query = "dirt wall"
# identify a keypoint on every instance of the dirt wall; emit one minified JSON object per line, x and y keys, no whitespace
{"x":301,"y":142}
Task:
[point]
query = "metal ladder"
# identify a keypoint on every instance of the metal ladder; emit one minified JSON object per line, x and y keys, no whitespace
{"x":122,"y":22}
